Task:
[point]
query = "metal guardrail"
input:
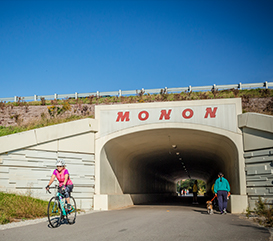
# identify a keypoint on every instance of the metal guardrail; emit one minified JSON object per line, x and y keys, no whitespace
{"x":119,"y":93}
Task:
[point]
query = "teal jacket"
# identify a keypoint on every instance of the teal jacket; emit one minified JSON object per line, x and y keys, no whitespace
{"x":221,"y":185}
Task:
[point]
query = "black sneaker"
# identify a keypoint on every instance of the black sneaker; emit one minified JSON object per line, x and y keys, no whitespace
{"x":69,"y":207}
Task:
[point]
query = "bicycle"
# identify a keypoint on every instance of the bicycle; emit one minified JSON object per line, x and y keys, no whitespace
{"x":58,"y":210}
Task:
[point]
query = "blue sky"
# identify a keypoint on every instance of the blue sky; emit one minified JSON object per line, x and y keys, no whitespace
{"x":64,"y":47}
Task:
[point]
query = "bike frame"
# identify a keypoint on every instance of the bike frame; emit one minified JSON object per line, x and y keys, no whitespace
{"x":61,"y":199}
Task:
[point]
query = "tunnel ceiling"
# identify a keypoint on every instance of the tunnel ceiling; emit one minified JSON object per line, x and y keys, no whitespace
{"x":203,"y":154}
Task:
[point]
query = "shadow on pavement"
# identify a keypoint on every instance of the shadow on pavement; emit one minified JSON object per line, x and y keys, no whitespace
{"x":179,"y":201}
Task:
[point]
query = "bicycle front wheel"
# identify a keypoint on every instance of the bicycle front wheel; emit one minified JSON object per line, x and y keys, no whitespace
{"x":72,"y":212}
{"x":54,"y":212}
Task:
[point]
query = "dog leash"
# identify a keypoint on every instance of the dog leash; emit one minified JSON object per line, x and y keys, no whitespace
{"x":216,"y":196}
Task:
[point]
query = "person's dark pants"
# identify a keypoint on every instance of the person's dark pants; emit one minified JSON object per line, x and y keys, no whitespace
{"x":67,"y":191}
{"x":222,"y":200}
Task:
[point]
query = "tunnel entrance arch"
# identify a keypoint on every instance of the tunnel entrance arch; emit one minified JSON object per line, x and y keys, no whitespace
{"x":137,"y":161}
{"x":143,"y":163}
{"x":146,"y":162}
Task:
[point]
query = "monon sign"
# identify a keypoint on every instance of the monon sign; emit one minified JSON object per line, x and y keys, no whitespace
{"x":223,"y":116}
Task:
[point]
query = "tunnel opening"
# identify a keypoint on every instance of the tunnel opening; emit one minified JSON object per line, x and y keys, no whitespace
{"x":151,"y":162}
{"x":185,"y":187}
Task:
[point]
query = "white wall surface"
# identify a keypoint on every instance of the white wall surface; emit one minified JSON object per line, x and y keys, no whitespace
{"x":188,"y":112}
{"x":26,"y":166}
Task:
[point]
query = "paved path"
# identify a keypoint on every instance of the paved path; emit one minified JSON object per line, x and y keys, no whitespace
{"x":157,"y":222}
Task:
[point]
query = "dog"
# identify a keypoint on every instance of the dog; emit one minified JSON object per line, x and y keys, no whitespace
{"x":209,"y":207}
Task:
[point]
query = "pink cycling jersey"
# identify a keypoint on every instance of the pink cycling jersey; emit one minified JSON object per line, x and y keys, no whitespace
{"x":60,"y":177}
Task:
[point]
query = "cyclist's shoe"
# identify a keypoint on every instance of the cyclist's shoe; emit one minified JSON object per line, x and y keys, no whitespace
{"x":69,"y":207}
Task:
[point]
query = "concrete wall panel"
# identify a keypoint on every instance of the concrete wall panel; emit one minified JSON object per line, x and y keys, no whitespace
{"x":256,"y":139}
{"x":27,"y":168}
{"x":48,"y":146}
{"x":21,"y":176}
{"x":66,"y":129}
{"x":80,"y":143}
{"x":257,"y":131}
{"x":17,"y":141}
{"x":47,"y":134}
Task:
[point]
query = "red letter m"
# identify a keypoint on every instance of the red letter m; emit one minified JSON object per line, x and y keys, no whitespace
{"x":122,"y":117}
{"x":165,"y":114}
{"x":210,"y":112}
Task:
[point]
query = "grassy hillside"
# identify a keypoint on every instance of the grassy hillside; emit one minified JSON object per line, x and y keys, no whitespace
{"x":21,"y":116}
{"x":19,"y":207}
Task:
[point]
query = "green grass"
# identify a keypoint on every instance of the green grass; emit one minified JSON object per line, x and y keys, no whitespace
{"x":37,"y":124}
{"x":15,"y":207}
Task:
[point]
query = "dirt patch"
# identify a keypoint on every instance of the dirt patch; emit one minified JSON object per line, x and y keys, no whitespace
{"x":258,"y":105}
{"x":20,"y":115}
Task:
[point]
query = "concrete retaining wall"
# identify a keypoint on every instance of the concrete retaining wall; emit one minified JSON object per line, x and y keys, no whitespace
{"x":259,"y":178}
{"x":27,"y":170}
{"x":258,"y":147}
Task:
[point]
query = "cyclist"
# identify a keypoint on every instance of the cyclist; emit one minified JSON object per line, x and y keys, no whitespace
{"x":65,"y":183}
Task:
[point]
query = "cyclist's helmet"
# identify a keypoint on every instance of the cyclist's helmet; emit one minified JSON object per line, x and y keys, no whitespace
{"x":60,"y":162}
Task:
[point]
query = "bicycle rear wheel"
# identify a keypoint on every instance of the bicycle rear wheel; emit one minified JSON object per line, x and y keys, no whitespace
{"x":71,"y":214}
{"x":54,"y":212}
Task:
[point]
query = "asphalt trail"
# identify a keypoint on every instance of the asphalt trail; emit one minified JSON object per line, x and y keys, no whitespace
{"x":153,"y":222}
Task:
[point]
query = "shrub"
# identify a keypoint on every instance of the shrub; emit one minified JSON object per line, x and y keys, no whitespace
{"x":235,"y":92}
{"x":269,"y":107}
{"x":215,"y":92}
{"x":56,"y":110}
{"x":2,"y":105}
{"x":43,"y":101}
{"x":263,"y":213}
{"x":265,"y":92}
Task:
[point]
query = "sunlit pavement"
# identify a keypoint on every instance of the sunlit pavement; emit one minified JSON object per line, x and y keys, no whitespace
{"x":176,"y":219}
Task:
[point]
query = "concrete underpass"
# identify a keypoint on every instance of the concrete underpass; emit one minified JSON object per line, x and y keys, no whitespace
{"x":147,"y":163}
{"x":138,"y":161}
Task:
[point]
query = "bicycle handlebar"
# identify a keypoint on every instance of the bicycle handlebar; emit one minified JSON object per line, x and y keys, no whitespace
{"x":47,"y":190}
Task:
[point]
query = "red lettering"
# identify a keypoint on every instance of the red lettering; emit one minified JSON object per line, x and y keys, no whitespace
{"x":122,"y":117}
{"x":187,"y":113}
{"x":210,"y":112}
{"x":143,"y":115}
{"x":165,"y":115}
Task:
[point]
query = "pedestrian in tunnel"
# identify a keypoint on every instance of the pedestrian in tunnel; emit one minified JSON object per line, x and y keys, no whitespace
{"x":195,"y":191}
{"x":222,"y":189}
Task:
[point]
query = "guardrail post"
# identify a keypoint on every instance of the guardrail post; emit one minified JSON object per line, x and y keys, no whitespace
{"x":98,"y":94}
{"x":119,"y":93}
{"x":55,"y":96}
{"x":189,"y":89}
{"x":240,"y":86}
{"x":266,"y":84}
{"x":15,"y":98}
{"x":76,"y":95}
{"x":35,"y":97}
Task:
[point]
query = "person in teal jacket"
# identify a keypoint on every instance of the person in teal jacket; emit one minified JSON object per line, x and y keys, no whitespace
{"x":221,"y":189}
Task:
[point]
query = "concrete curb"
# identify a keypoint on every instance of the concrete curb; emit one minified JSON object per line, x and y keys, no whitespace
{"x":34,"y":221}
